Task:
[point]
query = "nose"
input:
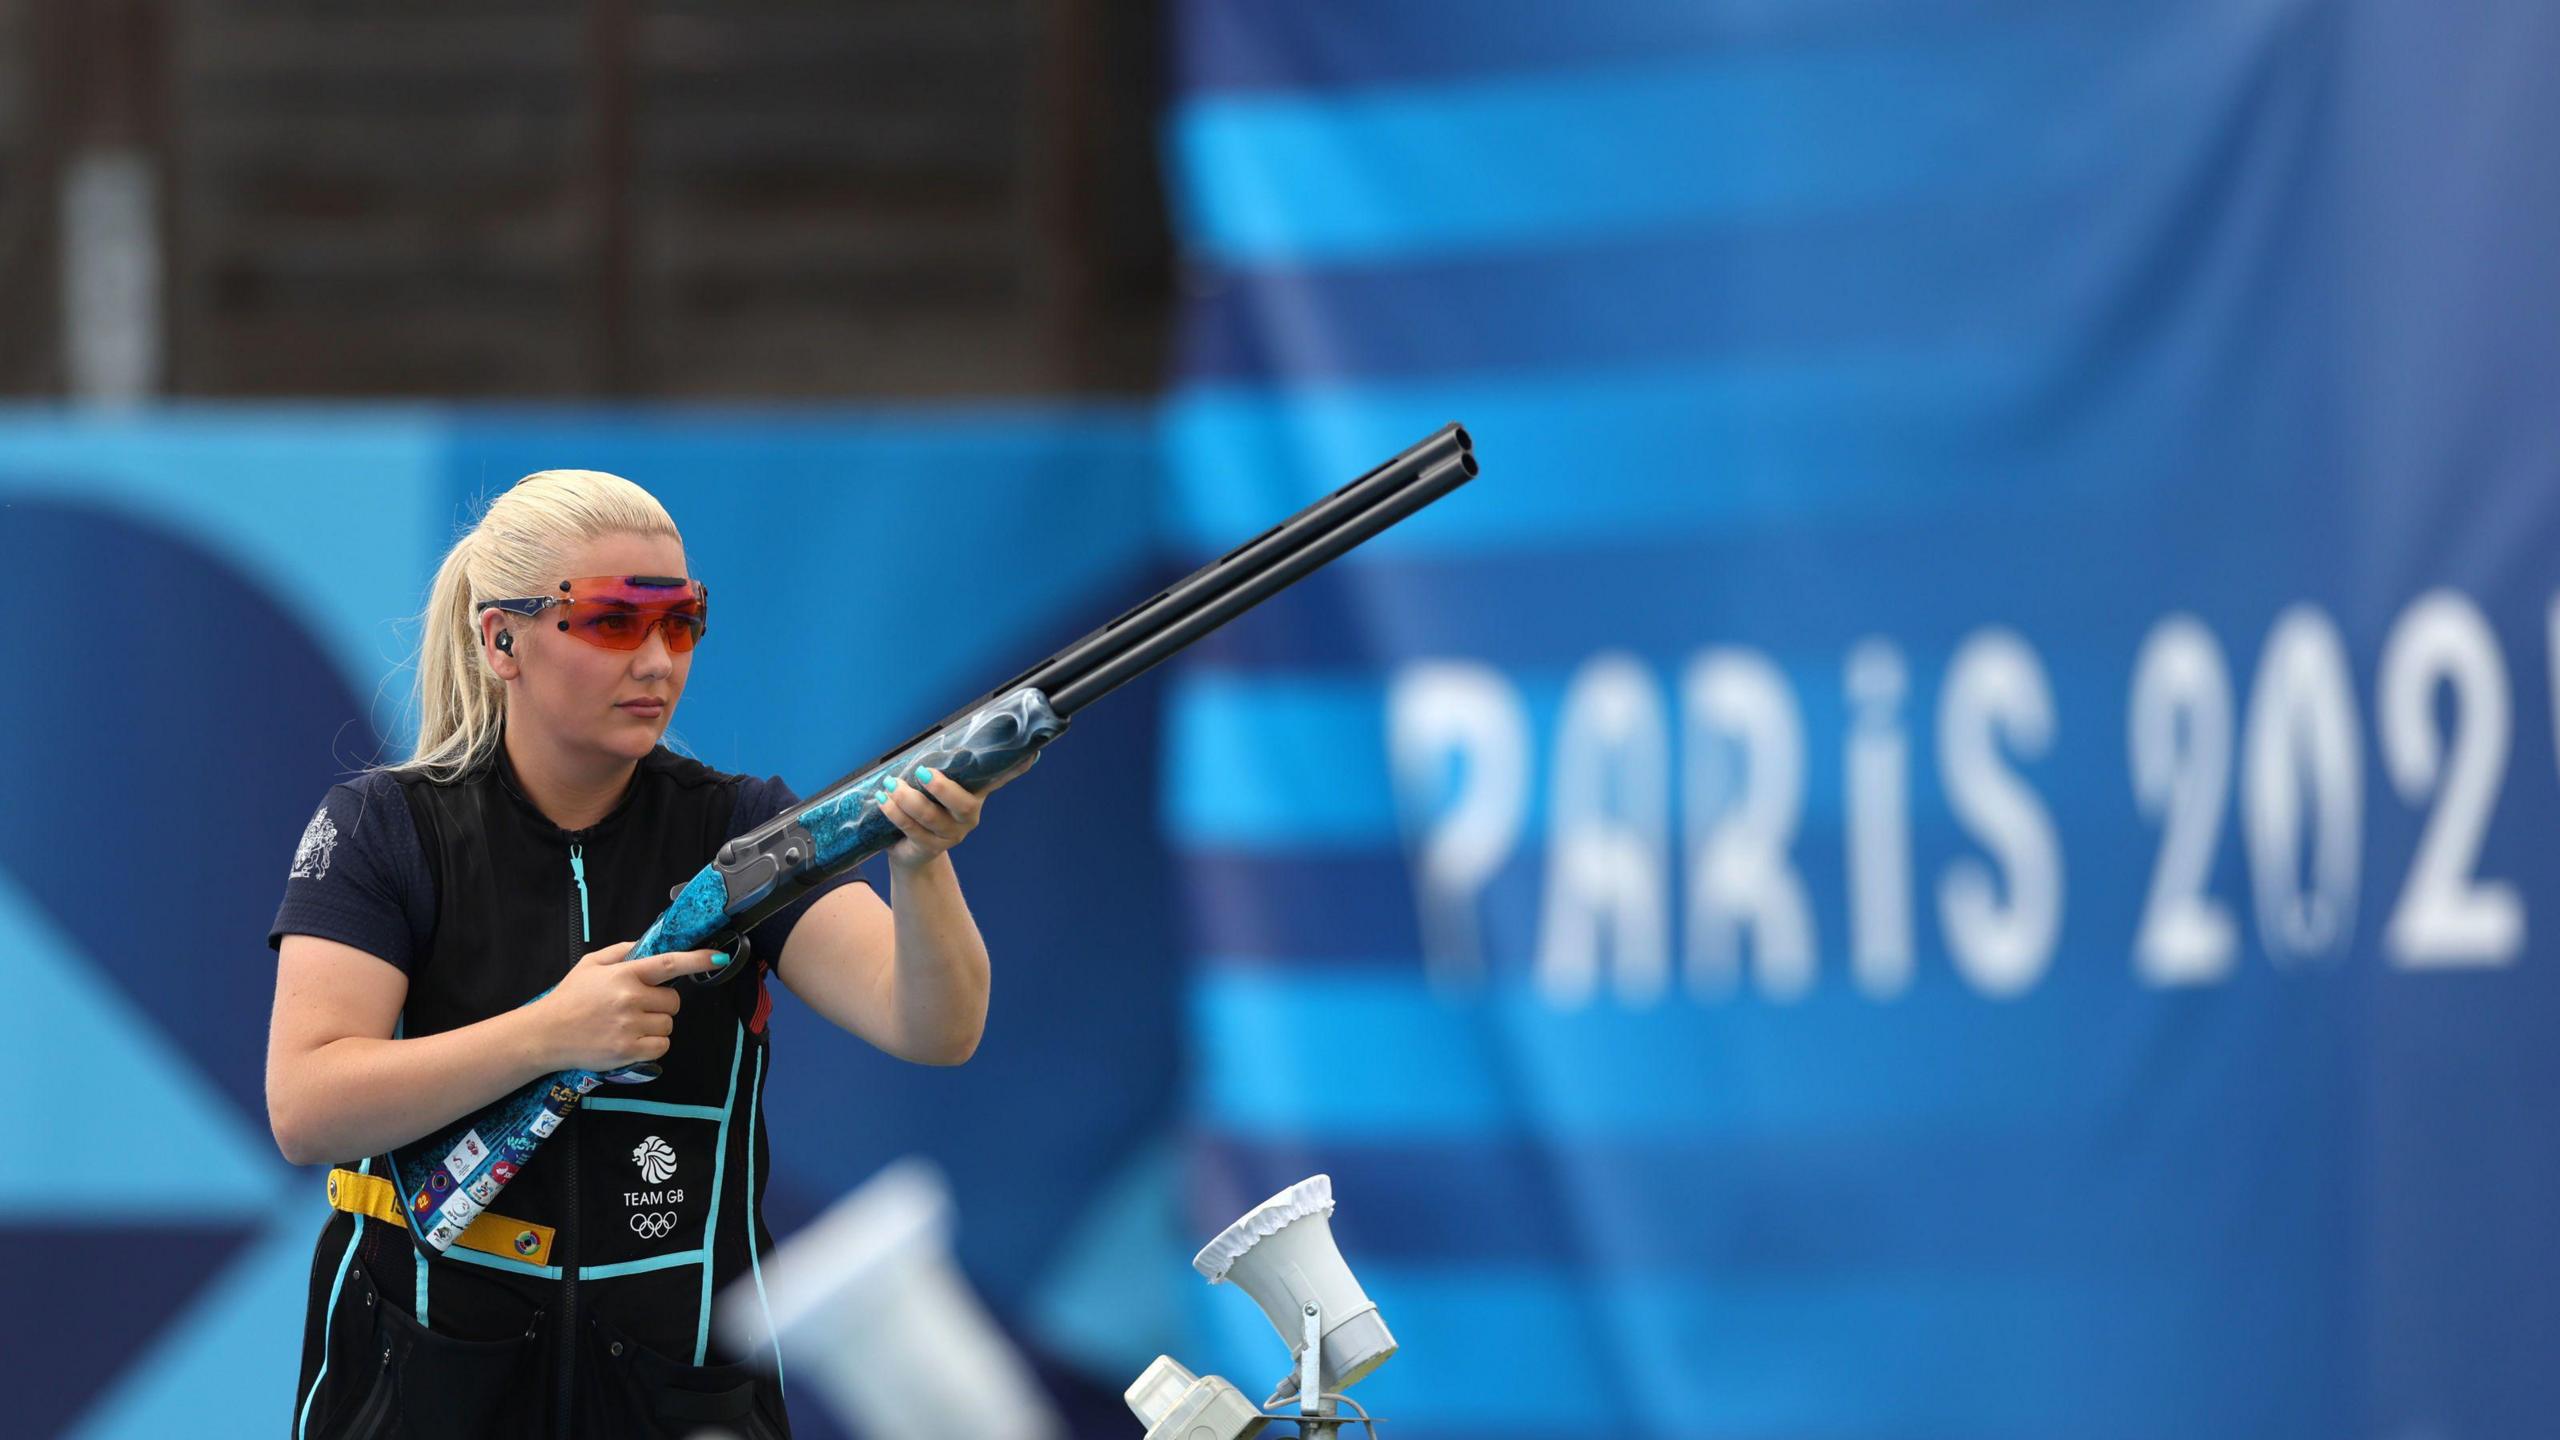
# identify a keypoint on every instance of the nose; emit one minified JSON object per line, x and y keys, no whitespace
{"x":653,"y":658}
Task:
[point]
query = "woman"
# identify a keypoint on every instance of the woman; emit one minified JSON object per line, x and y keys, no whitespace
{"x":538,"y":827}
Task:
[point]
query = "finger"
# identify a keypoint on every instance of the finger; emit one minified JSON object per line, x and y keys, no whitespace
{"x":661,"y":999}
{"x":948,"y":793}
{"x":611,"y":954}
{"x":662,"y":968}
{"x":896,"y":810}
{"x":951,"y":795}
{"x":930,"y":823}
{"x":919,"y":818}
{"x":657,"y":1024}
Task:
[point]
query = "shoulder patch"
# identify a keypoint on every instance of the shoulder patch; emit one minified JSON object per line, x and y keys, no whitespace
{"x":319,"y":843}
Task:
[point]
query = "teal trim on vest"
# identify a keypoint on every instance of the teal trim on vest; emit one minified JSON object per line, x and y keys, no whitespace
{"x":647,"y":1263}
{"x":755,"y":1262}
{"x":501,"y":1262}
{"x":659,"y":1107}
{"x":711,"y":1222}
{"x":302,"y":1422}
{"x":642,"y":1266}
{"x":399,"y":1024}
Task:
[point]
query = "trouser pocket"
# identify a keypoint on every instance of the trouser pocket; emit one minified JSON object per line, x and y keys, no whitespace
{"x":633,"y":1390}
{"x":396,"y":1377}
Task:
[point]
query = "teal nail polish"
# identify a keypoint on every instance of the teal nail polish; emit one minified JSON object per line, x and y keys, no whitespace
{"x":925,"y":773}
{"x":893,"y":782}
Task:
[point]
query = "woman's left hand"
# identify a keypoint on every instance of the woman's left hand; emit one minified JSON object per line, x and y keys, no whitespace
{"x":936,"y":812}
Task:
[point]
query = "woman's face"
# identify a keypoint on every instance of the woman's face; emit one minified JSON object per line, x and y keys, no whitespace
{"x":581,"y":696}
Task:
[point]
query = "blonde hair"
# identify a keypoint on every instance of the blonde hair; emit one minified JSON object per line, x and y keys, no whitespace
{"x":516,"y":549}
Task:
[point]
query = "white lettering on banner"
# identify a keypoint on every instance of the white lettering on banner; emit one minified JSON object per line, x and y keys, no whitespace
{"x":2301,"y":752}
{"x":2446,"y":916}
{"x":1608,"y":850}
{"x":1466,"y":755}
{"x":1878,"y":802}
{"x":1996,"y":690}
{"x":1443,"y":715}
{"x":2178,"y":744}
{"x":1743,"y":791}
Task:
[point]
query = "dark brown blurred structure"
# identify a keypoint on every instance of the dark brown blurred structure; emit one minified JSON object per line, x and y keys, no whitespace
{"x":649,"y":198}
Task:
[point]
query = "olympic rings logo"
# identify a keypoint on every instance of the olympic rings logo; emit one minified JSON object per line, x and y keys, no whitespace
{"x":653,"y":1224}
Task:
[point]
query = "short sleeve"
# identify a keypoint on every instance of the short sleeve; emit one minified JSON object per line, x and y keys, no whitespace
{"x":759,"y":801}
{"x":358,"y":875}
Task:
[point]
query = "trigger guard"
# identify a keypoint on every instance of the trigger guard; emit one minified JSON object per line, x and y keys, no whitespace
{"x":738,"y":956}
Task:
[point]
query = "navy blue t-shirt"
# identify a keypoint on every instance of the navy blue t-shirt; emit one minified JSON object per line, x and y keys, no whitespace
{"x":359,"y":877}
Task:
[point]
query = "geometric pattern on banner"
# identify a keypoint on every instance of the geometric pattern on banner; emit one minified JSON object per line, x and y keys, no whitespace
{"x":233,"y":1349}
{"x":135,"y":889}
{"x":69,"y":1032}
{"x":113,"y":1290}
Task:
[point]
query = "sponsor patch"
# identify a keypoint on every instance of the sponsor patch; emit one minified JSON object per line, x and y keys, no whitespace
{"x":467,"y":1153}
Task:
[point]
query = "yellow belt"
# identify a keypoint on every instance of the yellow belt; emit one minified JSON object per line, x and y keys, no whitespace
{"x":361,"y":1194}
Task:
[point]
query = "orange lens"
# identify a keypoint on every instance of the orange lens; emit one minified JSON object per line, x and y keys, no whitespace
{"x":620,"y":625}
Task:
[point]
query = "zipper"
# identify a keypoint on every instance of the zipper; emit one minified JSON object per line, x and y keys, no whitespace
{"x":366,"y":1423}
{"x":566,"y":1248}
{"x":578,"y":872}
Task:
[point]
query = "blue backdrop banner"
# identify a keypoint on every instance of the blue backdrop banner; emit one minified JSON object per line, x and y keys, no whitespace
{"x":1955,"y":839}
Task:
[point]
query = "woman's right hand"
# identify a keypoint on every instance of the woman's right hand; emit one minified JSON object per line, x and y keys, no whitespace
{"x":608,"y":1012}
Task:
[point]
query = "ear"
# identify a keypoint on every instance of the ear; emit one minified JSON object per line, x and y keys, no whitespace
{"x":493,"y":625}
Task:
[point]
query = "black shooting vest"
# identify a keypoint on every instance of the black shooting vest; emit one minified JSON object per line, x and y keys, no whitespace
{"x":654,"y":1191}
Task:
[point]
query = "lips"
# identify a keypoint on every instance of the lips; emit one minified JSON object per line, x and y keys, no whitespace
{"x":643,"y":707}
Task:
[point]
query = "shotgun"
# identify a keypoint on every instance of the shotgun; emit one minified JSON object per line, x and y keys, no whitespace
{"x":768,"y":867}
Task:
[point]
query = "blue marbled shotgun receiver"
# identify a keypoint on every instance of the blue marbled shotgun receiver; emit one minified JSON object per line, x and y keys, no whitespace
{"x":449,"y":1178}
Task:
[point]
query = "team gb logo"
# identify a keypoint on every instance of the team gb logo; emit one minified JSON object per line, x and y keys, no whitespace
{"x":656,"y":1159}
